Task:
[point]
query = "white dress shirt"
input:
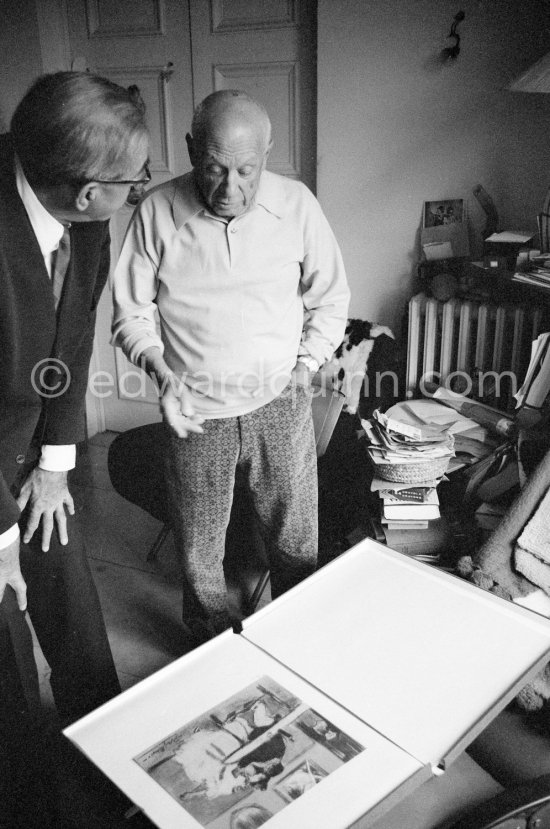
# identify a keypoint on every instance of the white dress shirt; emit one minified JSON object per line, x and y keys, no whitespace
{"x":48,"y":232}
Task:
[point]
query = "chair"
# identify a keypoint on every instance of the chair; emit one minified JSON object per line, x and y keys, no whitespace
{"x":136,"y":473}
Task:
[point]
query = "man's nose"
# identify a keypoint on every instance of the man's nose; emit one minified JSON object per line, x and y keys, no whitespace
{"x":230,"y":184}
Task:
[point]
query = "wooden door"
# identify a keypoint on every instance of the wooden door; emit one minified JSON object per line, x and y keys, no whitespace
{"x":143,"y":42}
{"x":177,"y":52}
{"x":268,"y":49}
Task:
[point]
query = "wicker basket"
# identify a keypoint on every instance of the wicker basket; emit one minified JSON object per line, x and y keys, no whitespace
{"x":413,"y":473}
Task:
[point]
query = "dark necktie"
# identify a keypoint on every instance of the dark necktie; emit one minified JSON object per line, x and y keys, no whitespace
{"x":60,"y":264}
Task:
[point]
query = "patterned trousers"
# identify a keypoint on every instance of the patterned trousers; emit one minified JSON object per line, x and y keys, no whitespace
{"x":273,"y":451}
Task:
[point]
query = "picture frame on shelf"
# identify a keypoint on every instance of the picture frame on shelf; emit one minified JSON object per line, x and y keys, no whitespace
{"x":442,"y":212}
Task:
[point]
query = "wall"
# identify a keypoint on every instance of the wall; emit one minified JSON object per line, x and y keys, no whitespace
{"x":397,"y":128}
{"x":20,"y":61}
{"x":394,"y":128}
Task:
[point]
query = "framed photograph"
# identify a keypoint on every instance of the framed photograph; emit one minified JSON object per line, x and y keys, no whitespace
{"x":328,"y":735}
{"x":445,"y":212}
{"x":294,"y":784}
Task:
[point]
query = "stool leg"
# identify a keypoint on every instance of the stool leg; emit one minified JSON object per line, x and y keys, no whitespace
{"x":157,"y":544}
{"x":258,"y":591}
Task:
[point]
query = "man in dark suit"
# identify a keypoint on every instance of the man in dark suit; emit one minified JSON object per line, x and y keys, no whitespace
{"x":77,"y":146}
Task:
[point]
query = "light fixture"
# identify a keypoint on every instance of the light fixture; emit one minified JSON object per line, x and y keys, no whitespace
{"x":452,"y":52}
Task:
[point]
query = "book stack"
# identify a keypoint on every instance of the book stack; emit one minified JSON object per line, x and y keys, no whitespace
{"x":536,"y":272}
{"x":412,"y":522}
{"x":409,"y":455}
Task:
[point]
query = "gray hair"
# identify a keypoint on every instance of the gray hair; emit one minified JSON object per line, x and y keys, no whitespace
{"x":73,"y":127}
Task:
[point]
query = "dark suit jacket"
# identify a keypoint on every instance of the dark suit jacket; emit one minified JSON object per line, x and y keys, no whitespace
{"x":30,"y":332}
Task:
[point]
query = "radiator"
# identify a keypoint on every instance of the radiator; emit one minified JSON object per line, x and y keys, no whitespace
{"x":476,"y":348}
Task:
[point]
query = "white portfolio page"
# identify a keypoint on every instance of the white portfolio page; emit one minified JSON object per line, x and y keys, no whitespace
{"x":420,"y":655}
{"x":227,"y":730}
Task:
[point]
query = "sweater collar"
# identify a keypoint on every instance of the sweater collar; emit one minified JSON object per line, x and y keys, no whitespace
{"x":187,"y":203}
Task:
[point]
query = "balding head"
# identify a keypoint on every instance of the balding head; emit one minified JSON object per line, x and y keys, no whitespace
{"x":233,"y":106}
{"x":228,"y":148}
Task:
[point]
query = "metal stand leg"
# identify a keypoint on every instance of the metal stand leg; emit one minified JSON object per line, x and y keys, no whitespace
{"x":157,"y":544}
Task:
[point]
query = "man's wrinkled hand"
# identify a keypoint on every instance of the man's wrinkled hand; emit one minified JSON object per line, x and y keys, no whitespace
{"x":301,"y":375}
{"x":46,"y":495}
{"x":177,"y":409}
{"x":10,"y":573}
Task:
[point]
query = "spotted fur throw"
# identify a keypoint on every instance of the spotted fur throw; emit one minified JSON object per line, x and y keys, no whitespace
{"x":348,"y":367}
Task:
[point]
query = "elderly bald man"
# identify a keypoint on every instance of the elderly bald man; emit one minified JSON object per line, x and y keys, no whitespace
{"x":252,"y":296}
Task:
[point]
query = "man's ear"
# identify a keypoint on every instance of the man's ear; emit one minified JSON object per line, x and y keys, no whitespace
{"x":191,"y":149}
{"x":86,"y":196}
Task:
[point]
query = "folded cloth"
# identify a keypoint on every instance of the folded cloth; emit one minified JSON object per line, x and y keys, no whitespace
{"x":496,"y":557}
{"x":495,"y":566}
{"x":532,"y":550}
{"x":348,"y":366}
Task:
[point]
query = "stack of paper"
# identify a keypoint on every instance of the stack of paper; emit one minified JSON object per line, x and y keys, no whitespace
{"x":472,"y":441}
{"x":536,"y":385}
{"x":393,"y":440}
{"x":510,"y":237}
{"x":536,"y":272}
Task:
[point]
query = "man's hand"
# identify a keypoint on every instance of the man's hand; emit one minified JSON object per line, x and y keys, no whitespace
{"x":47,"y":495}
{"x":177,"y":408}
{"x":176,"y":404}
{"x":11,"y":574}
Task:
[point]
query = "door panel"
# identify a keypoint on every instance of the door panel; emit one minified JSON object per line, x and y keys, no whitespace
{"x":177,"y":52}
{"x":143,"y":42}
{"x":267,"y":49}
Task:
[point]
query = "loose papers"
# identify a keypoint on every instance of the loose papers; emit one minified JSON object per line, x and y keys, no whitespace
{"x":393,"y":440}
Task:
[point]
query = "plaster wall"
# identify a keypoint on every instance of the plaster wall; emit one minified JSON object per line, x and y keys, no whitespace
{"x":396,"y":128}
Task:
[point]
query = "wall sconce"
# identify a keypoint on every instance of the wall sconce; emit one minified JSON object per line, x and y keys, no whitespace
{"x":452,"y":52}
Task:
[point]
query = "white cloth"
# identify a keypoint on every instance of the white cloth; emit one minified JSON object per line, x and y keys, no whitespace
{"x":532,"y":550}
{"x":46,"y":228}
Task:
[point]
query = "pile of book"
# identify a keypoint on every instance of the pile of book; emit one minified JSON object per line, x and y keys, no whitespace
{"x":412,"y":523}
{"x":400,"y":440}
{"x":404,"y":452}
{"x":535,"y":272}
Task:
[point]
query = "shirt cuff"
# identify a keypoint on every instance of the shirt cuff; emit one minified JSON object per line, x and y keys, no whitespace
{"x":58,"y":458}
{"x":9,"y":536}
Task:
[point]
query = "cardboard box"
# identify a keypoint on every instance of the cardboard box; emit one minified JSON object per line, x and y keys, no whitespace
{"x":365,"y":680}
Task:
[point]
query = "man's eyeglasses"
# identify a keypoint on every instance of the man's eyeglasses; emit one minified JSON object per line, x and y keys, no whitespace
{"x":138,"y":184}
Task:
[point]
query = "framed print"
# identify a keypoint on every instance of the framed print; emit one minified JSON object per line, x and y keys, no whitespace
{"x":299,"y":780}
{"x":443,"y":212}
